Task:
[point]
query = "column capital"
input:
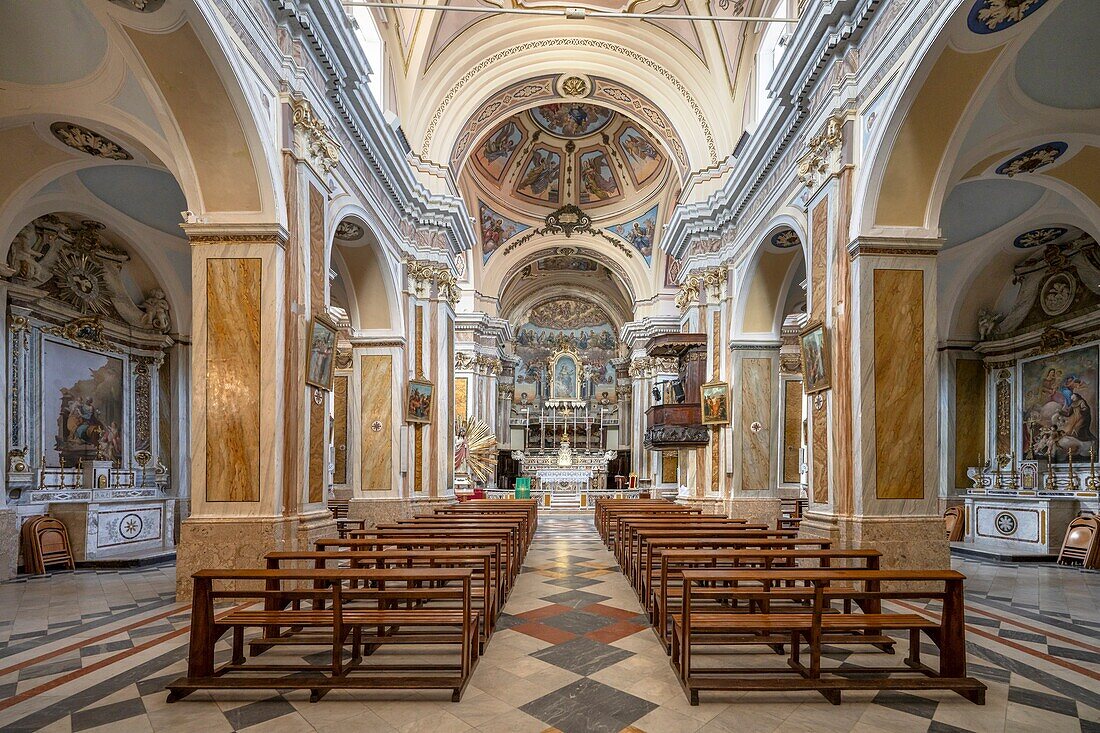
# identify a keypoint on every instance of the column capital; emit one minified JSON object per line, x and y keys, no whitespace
{"x":229,"y":233}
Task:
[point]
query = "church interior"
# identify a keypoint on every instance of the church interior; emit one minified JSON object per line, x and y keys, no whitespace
{"x":611,"y":366}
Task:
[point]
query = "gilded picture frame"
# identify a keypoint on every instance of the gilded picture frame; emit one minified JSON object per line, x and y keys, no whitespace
{"x":813,"y":342}
{"x":321,"y":353}
{"x":715,"y":400}
{"x":419,"y":401}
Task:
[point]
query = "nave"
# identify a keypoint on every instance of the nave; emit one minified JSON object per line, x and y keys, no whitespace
{"x":573,"y":652}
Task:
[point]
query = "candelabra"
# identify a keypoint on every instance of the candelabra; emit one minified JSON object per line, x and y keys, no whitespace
{"x":1092,"y":482}
{"x":1072,"y":482}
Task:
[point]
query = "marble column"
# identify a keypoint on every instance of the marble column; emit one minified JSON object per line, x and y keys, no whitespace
{"x":756,"y":404}
{"x":9,"y":524}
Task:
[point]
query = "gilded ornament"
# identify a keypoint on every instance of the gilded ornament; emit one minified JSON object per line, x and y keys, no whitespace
{"x":88,"y":141}
{"x":1032,"y":160}
{"x":991,"y":16}
{"x":574,"y":86}
{"x":314,"y":136}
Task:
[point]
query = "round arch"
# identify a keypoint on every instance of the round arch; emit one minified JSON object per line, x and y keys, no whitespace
{"x":767,"y":275}
{"x":369,"y":270}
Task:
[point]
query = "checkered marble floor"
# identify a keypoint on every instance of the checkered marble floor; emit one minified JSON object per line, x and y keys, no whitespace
{"x":92,"y":650}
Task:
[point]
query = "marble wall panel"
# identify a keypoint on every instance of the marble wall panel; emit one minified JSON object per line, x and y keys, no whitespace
{"x":756,"y":407}
{"x":969,"y":416}
{"x":318,"y":449}
{"x":819,"y":454}
{"x":819,"y":233}
{"x":340,"y":428}
{"x":233,"y":291}
{"x":670,"y":467}
{"x":792,"y":430}
{"x":318,"y":269}
{"x":899,"y":383}
{"x":376,"y":411}
{"x":461,"y":404}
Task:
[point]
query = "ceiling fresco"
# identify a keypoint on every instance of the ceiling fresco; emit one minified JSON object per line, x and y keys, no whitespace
{"x":568,"y":153}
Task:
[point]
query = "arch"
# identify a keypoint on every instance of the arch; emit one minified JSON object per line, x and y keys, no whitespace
{"x":767,"y":275}
{"x":368,"y":270}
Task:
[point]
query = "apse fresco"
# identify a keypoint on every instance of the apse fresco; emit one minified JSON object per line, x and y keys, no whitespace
{"x":583,"y":326}
{"x":540,"y":179}
{"x":561,"y":263}
{"x":640,"y":233}
{"x":496,"y":229}
{"x":571,"y":120}
{"x":1058,"y":394}
{"x":497,"y":150}
{"x":641,"y":154}
{"x":596,"y":181}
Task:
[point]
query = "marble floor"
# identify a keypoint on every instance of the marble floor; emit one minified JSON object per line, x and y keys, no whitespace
{"x":92,"y":650}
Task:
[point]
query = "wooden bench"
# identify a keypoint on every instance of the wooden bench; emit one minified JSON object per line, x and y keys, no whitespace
{"x":810,"y":625}
{"x":484,"y":584}
{"x":664,"y":598}
{"x":513,"y":558}
{"x":388,"y":601}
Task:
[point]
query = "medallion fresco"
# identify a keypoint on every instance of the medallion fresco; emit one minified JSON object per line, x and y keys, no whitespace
{"x":1059,"y":405}
{"x":640,"y":233}
{"x":1039,"y":237}
{"x":1032,"y":160}
{"x":641,"y":154}
{"x":571,"y":120}
{"x":497,"y":151}
{"x":786,"y":239}
{"x":597,"y":182}
{"x":571,"y":323}
{"x":541,"y":176}
{"x":496,"y":229}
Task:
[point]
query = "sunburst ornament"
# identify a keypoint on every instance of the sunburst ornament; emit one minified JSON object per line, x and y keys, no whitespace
{"x":81,"y":281}
{"x":992,"y":16}
{"x":785,"y":239}
{"x":476,"y":450}
{"x":1032,"y":160}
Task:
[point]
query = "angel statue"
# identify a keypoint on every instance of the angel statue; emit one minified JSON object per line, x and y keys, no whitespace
{"x":24,"y":257}
{"x":987,"y":322}
{"x":155,"y":310}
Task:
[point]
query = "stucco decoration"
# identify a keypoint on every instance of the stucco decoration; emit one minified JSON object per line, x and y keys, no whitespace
{"x":349,"y":231}
{"x":88,"y":141}
{"x":786,"y":239}
{"x":1038,"y":237}
{"x":992,"y":16}
{"x":1032,"y":160}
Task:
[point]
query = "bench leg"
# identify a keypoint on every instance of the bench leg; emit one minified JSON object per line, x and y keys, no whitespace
{"x":832,"y":696}
{"x":975,"y":696}
{"x":913,"y":660}
{"x":238,"y":645}
{"x":174,"y":695}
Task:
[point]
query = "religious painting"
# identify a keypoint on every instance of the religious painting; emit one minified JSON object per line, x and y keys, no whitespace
{"x":496,"y":229}
{"x":320,"y":360}
{"x":561,"y":263}
{"x":814,"y":344}
{"x":541,"y":176}
{"x":1058,"y":396}
{"x":567,"y":119}
{"x":640,"y":233}
{"x":418,"y":401}
{"x":596,"y":181}
{"x":494,"y":154}
{"x":566,"y":323}
{"x":715,"y":399}
{"x":565,"y":370}
{"x":83,"y":391}
{"x":641,"y":154}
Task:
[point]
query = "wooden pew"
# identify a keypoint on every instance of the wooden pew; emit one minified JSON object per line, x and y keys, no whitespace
{"x":509,"y":535}
{"x":664,"y":599}
{"x":485,"y":583}
{"x":396,"y":614}
{"x":765,"y":586}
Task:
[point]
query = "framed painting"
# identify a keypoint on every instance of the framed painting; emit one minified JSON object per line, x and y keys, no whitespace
{"x":565,"y":373}
{"x":814,"y":344}
{"x":1058,"y":395}
{"x":715,"y":398}
{"x":321,"y":354}
{"x":83,"y":392}
{"x":418,"y":401}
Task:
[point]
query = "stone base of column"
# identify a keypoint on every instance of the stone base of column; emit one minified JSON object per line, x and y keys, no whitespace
{"x":762,"y":510}
{"x":906,"y":543}
{"x":343,"y":493}
{"x":9,"y":543}
{"x":315,"y":526}
{"x":424,"y":505}
{"x":230,"y":542}
{"x":381,"y":510}
{"x":708,"y":505}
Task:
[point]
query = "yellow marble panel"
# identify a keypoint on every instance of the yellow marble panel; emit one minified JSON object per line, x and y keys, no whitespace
{"x":969,"y":416}
{"x":462,"y":408}
{"x":233,"y":307}
{"x":670,"y":467}
{"x":418,"y":458}
{"x":899,"y":383}
{"x":819,"y":471}
{"x":715,"y":459}
{"x":792,"y":430}
{"x":317,"y":444}
{"x":819,"y":233}
{"x":376,"y":381}
{"x":756,"y":407}
{"x":340,"y":428}
{"x":318,"y":270}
